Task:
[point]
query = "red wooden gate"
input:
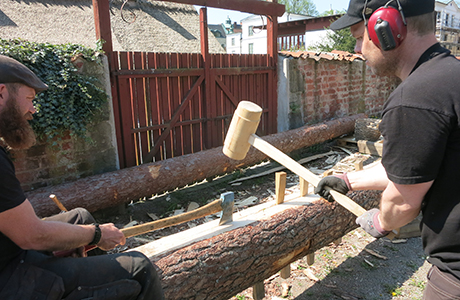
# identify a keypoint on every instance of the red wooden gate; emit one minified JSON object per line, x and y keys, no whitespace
{"x":170,"y":105}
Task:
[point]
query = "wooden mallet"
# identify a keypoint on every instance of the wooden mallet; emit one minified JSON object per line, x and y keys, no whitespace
{"x":241,"y":135}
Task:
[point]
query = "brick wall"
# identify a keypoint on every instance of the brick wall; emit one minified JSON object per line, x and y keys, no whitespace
{"x":323,"y":89}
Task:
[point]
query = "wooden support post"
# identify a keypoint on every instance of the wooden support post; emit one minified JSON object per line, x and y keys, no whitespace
{"x":310,"y":259}
{"x":101,"y":11}
{"x":303,"y":187}
{"x":258,"y":291}
{"x":280,"y":186}
{"x":337,"y":241}
{"x":359,"y":165}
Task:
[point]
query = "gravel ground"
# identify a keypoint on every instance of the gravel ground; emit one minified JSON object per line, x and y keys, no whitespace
{"x":359,"y":267}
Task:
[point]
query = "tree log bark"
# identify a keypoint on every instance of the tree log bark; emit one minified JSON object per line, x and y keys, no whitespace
{"x":122,"y":186}
{"x":223,"y":266}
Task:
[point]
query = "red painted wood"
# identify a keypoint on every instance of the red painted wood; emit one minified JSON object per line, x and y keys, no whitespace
{"x":172,"y":114}
{"x":250,"y":6}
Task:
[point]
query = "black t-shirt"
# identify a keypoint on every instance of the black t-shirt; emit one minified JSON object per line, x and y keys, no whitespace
{"x":11,"y":195}
{"x":421,"y":130}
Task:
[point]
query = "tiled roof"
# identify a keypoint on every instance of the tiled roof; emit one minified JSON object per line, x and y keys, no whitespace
{"x":334,"y":55}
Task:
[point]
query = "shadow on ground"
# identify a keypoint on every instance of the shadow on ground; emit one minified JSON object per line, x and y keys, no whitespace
{"x":362,"y":275}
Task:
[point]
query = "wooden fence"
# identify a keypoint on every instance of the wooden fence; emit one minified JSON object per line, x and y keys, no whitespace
{"x":171,"y":104}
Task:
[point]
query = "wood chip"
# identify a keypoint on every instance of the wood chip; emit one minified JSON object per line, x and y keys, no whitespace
{"x":372,"y":252}
{"x":154,"y":217}
{"x":310,"y":275}
{"x":369,"y":263}
{"x":285,"y":287}
{"x":401,"y":241}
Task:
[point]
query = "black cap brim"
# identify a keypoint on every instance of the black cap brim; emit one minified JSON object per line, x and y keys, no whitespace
{"x":344,"y":22}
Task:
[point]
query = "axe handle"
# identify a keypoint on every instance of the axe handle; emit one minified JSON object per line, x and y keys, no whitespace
{"x":208,"y":209}
{"x":303,"y":172}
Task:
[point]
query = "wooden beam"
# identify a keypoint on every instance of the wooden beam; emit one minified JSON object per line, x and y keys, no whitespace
{"x":101,"y":10}
{"x":257,"y":7}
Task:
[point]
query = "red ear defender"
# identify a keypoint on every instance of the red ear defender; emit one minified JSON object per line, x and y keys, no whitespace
{"x":386,"y":28}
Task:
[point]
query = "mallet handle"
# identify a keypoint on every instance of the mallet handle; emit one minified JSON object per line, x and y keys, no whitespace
{"x":303,"y":172}
{"x":208,"y":209}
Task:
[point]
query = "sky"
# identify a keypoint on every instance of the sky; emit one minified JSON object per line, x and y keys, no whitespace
{"x":218,"y":16}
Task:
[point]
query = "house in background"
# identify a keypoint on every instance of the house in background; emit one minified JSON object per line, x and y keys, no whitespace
{"x":448,"y":25}
{"x":137,"y":25}
{"x":294,"y":32}
{"x":253,"y":38}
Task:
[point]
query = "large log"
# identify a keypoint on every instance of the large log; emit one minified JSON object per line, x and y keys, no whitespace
{"x":122,"y":186}
{"x":221,"y":266}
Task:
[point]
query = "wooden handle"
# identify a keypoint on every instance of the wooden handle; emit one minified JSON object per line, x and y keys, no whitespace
{"x":303,"y":172}
{"x":58,"y":203}
{"x":206,"y":210}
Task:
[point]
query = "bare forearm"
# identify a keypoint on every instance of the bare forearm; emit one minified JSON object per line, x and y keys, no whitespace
{"x":374,"y":178}
{"x":54,"y":236}
{"x":400,"y":204}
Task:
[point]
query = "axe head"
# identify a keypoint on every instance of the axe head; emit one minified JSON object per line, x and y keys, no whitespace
{"x":227,"y":208}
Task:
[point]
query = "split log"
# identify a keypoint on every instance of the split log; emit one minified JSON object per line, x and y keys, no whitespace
{"x":122,"y":186}
{"x":226,"y":264}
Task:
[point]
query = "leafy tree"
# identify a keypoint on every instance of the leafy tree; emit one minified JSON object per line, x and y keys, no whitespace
{"x":303,"y":7}
{"x":336,"y":40}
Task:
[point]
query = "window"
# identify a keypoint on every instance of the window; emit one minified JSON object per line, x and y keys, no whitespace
{"x":251,"y":48}
{"x":251,"y":30}
{"x":233,"y":41}
{"x":447,"y":20}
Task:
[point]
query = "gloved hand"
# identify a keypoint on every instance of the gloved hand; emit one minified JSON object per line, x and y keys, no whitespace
{"x":338,"y":183}
{"x":369,"y":221}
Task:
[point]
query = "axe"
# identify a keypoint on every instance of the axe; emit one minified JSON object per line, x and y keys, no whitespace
{"x":241,"y":135}
{"x":224,"y":204}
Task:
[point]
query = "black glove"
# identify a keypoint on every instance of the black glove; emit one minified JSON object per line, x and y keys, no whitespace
{"x":369,"y":221}
{"x":338,"y":183}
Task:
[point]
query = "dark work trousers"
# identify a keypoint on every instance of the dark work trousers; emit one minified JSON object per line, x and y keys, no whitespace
{"x":120,"y":276}
{"x":441,"y":286}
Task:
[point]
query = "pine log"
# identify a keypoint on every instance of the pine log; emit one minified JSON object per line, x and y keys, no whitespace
{"x":224,"y":265}
{"x":122,"y":186}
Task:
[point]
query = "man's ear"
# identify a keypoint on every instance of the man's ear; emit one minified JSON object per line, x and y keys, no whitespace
{"x":4,"y":94}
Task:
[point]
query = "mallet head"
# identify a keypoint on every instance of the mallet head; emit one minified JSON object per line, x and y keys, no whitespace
{"x":244,"y":123}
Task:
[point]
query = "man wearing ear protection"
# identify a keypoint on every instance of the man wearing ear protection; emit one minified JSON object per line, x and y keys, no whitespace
{"x":421,"y":130}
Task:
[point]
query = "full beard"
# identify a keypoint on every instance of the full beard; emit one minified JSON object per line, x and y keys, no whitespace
{"x":385,"y":66}
{"x":15,"y":128}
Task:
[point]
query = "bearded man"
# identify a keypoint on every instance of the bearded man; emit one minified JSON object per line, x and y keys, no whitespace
{"x":28,"y":270}
{"x":421,"y":131}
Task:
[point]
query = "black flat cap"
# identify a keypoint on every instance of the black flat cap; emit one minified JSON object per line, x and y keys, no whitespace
{"x":12,"y":71}
{"x":411,"y":8}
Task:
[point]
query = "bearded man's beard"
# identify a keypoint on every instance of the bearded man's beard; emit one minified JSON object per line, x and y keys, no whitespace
{"x":14,"y":127}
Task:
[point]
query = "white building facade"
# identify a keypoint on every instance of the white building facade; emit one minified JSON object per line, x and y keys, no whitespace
{"x":253,"y":38}
{"x":448,"y":25}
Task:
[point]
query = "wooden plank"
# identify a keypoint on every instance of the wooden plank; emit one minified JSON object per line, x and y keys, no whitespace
{"x":140,"y":106}
{"x":125,"y":94}
{"x":373,"y":148}
{"x":210,"y":229}
{"x":250,"y":6}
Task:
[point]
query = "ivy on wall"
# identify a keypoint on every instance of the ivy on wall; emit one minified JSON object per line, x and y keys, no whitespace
{"x":72,"y":100}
